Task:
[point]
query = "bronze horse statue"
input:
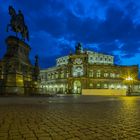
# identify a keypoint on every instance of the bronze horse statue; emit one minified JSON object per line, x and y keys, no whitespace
{"x":17,"y":23}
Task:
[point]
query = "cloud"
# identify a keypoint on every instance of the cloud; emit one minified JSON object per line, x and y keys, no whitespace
{"x":55,"y":26}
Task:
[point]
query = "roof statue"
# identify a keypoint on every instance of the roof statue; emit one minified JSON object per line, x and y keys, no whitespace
{"x":17,"y":23}
{"x":78,"y":48}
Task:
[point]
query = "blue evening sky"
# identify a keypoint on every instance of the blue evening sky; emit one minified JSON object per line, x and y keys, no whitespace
{"x":108,"y":26}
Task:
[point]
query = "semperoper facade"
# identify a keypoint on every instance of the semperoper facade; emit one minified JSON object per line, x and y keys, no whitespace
{"x":87,"y":70}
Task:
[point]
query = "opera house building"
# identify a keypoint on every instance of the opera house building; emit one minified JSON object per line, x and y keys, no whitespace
{"x":89,"y":72}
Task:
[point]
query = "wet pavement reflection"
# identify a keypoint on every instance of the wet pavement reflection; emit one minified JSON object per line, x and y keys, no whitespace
{"x":70,"y":118}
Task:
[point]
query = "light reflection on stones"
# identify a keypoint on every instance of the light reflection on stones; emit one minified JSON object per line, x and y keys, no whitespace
{"x":104,"y":118}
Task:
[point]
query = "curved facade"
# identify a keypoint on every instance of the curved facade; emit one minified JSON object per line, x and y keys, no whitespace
{"x":87,"y":70}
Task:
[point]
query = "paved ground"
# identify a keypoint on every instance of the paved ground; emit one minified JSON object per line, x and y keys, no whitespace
{"x":70,"y":118}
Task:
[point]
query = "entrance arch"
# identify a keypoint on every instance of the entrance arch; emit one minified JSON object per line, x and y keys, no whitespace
{"x":77,"y":87}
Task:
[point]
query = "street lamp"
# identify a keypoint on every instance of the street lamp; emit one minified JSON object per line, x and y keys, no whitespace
{"x":129,"y":80}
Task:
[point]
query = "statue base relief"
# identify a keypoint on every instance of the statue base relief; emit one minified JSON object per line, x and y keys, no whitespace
{"x":18,"y":72}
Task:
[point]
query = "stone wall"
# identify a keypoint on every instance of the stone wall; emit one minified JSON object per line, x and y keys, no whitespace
{"x":104,"y":92}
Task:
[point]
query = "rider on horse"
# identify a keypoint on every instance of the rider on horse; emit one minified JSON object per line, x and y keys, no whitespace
{"x":17,"y":23}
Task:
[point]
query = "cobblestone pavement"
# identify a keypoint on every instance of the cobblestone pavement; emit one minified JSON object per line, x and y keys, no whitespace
{"x":70,"y":118}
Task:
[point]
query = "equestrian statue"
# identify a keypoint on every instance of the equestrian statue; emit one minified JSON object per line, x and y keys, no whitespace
{"x":17,"y":23}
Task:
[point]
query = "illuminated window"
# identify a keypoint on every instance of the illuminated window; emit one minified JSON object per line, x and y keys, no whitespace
{"x":78,"y":71}
{"x":118,"y":86}
{"x":62,"y":75}
{"x":91,"y":73}
{"x":105,"y":85}
{"x":112,"y":86}
{"x":98,"y":73}
{"x":91,"y":85}
{"x":91,"y":59}
{"x":52,"y":76}
{"x":112,"y":75}
{"x":106,"y":74}
{"x":125,"y":87}
{"x":49,"y":76}
{"x":98,"y":85}
{"x":117,"y":75}
{"x":56,"y":75}
{"x":67,"y":74}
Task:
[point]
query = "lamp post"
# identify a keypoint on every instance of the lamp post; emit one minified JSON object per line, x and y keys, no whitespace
{"x":130,"y":81}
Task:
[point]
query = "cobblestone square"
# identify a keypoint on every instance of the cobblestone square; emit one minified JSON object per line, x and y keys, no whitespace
{"x":70,"y":118}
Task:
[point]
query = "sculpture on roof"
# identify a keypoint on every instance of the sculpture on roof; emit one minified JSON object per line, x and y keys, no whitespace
{"x":78,"y":48}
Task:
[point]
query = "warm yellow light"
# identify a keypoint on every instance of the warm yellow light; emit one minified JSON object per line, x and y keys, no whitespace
{"x":129,"y":78}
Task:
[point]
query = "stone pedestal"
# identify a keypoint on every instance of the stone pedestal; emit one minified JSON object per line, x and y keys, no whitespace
{"x":18,"y":72}
{"x":14,"y":83}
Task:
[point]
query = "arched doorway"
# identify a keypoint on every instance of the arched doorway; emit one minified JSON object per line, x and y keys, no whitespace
{"x":77,"y":87}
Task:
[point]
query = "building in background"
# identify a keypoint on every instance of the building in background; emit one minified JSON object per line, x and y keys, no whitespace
{"x":88,"y":71}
